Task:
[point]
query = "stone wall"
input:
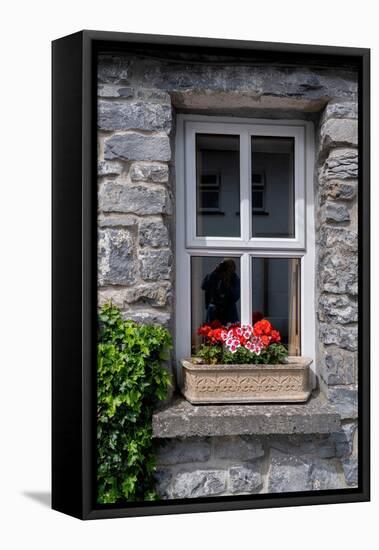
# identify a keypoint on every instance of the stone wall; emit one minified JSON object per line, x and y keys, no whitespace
{"x":238,"y":465}
{"x":134,"y":196}
{"x":138,"y":98}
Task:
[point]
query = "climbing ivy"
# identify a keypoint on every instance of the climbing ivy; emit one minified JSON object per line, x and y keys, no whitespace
{"x":131,"y":379}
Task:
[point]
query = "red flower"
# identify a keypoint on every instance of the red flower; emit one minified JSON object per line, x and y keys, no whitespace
{"x":265,"y":339}
{"x":213,"y":335}
{"x":216,"y":335}
{"x":262,"y":327}
{"x":203,"y":330}
{"x":253,"y":338}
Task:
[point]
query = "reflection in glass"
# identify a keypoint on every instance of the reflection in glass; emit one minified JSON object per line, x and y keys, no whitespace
{"x":217,"y":185}
{"x":273,"y":187}
{"x":215,"y":292}
{"x":276,"y":297}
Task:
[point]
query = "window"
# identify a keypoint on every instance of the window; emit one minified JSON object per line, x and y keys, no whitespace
{"x":209,"y":193}
{"x":245,"y":240}
{"x":258,"y":193}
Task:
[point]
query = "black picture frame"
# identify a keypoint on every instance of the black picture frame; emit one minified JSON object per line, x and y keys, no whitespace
{"x":74,"y":269}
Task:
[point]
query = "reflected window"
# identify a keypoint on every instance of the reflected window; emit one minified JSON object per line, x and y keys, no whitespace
{"x":276,"y":297}
{"x":272,"y":160}
{"x":217,"y":185}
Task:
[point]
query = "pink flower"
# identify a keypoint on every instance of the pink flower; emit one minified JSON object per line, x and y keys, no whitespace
{"x":224,"y":335}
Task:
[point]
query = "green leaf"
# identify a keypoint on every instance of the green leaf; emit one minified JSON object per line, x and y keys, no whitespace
{"x":131,"y":378}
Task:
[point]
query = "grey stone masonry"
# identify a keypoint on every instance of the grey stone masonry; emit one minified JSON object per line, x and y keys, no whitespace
{"x":238,"y":465}
{"x":337,"y":255}
{"x":233,"y":449}
{"x":134,"y":197}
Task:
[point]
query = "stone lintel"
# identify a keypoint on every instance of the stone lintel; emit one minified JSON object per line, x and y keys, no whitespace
{"x":179,"y":418}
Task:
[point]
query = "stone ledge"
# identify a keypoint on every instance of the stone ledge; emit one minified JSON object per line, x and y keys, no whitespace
{"x":181,"y":419}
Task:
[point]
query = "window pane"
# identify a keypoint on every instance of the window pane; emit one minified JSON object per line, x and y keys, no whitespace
{"x":217,"y":185}
{"x":215,"y":292}
{"x":273,"y":176}
{"x":276,"y":297}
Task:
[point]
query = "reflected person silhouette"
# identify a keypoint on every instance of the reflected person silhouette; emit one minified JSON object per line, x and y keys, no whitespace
{"x":222,"y":292}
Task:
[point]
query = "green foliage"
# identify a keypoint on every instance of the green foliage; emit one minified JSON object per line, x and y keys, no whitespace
{"x":217,"y":354}
{"x":130,"y":381}
{"x":211,"y":354}
{"x":273,"y":354}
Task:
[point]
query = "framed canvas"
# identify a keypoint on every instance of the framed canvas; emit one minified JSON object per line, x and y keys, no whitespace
{"x":211,"y":275}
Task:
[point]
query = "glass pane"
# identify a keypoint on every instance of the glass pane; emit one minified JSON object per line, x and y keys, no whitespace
{"x":217,"y":185}
{"x":273,"y":187}
{"x":276,"y":297}
{"x":215,"y":292}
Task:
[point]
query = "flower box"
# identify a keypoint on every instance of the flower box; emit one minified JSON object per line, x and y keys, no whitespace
{"x":287,"y":382}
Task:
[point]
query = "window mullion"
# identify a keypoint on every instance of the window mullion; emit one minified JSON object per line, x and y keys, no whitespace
{"x":245,"y":186}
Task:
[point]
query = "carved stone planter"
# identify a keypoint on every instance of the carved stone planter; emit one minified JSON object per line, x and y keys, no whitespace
{"x":282,"y":383}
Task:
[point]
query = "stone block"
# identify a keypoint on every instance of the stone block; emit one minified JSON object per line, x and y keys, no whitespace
{"x":117,"y":264}
{"x":109,"y":168}
{"x":339,"y":367}
{"x":339,"y":190}
{"x":181,"y":419}
{"x":326,"y":475}
{"x":162,"y":480}
{"x":118,"y":220}
{"x":148,"y":317}
{"x":336,"y":213}
{"x":293,"y":84}
{"x":340,"y":109}
{"x":304,"y":446}
{"x":344,"y":337}
{"x":339,"y":132}
{"x":246,"y":478}
{"x":113,"y":68}
{"x":288,"y":473}
{"x":340,"y":240}
{"x":153,"y":233}
{"x":344,"y":439}
{"x":344,"y":399}
{"x":341,"y":308}
{"x":341,"y":164}
{"x":141,"y":115}
{"x":151,"y":295}
{"x":198,"y":483}
{"x":181,"y":451}
{"x":338,"y":273}
{"x":350,"y":468}
{"x":133,"y":146}
{"x":153,"y":94}
{"x":136,"y":199}
{"x":114,"y":91}
{"x":155,"y":173}
{"x":155,"y":264}
{"x":237,"y":448}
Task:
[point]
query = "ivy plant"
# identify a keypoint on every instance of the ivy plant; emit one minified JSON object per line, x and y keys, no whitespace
{"x":131,"y":379}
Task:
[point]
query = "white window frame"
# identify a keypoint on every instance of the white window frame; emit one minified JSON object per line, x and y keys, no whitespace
{"x":245,"y":247}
